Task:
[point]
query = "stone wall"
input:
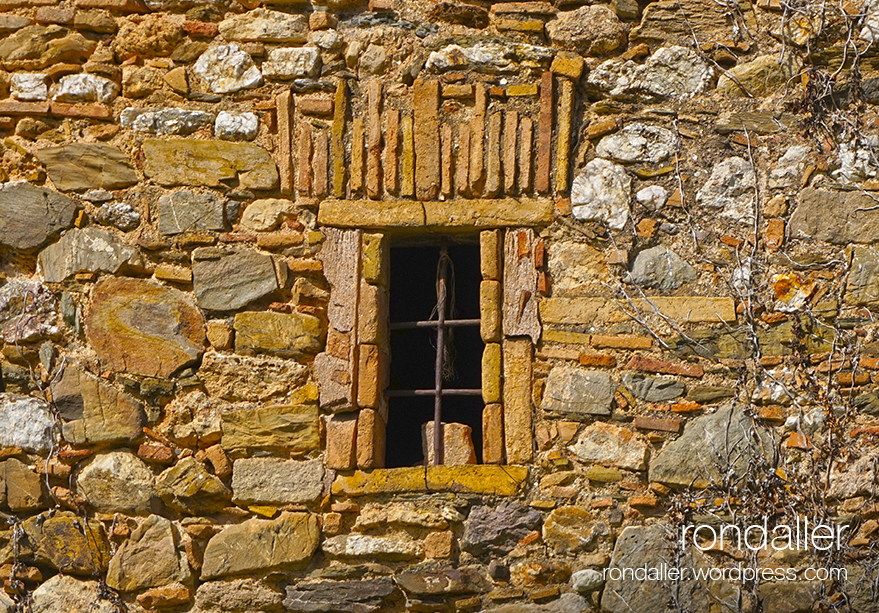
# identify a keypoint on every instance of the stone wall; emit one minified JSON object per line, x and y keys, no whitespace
{"x":674,"y":204}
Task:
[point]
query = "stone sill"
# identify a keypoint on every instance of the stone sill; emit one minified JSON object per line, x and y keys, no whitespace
{"x":481,"y":479}
{"x":447,"y":214}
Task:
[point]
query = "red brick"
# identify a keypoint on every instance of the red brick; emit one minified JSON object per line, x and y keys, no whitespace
{"x":201,"y":29}
{"x":657,"y":423}
{"x":87,"y":111}
{"x":155,"y":453}
{"x":645,"y":364}
{"x":597,"y":359}
{"x":13,"y":107}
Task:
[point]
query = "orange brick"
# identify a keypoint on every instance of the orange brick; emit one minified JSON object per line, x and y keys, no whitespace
{"x":13,"y":107}
{"x":643,"y":501}
{"x":620,"y":341}
{"x":644,"y":422}
{"x":686,"y":407}
{"x":645,"y":364}
{"x":201,"y":29}
{"x":597,"y":359}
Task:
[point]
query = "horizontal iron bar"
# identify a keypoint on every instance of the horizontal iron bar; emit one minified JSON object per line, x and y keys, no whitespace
{"x":445,"y":392}
{"x":409,"y":325}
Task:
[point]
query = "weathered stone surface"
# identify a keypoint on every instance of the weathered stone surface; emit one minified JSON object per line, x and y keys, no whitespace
{"x":93,"y":411}
{"x":117,"y":482}
{"x":193,"y":420}
{"x":237,"y":595}
{"x":600,"y":191}
{"x":364,"y":596}
{"x":661,"y":268}
{"x":165,"y":121}
{"x":374,"y":515}
{"x":638,"y":142}
{"x":497,"y":529}
{"x":280,"y":334}
{"x":81,"y":166}
{"x":673,"y":21}
{"x":590,"y":30}
{"x":586,"y":581}
{"x":457,"y":444}
{"x":64,"y":593}
{"x":212,"y":163}
{"x":835,"y":216}
{"x":653,"y":389}
{"x":731,"y":187}
{"x":575,"y":390}
{"x":267,"y":214}
{"x":145,"y":328}
{"x":86,"y":250}
{"x":148,"y":36}
{"x":186,"y":211}
{"x":567,"y":603}
{"x":713,"y":447}
{"x":26,"y":422}
{"x":236,"y":126}
{"x":23,"y":486}
{"x":760,"y":77}
{"x":273,"y":481}
{"x":29,"y":86}
{"x":266,"y":26}
{"x":188,"y":487}
{"x":480,"y":479}
{"x":235,"y":377}
{"x":862,"y":284}
{"x":292,"y":63}
{"x":855,"y":478}
{"x":149,"y":558}
{"x":67,"y":542}
{"x":572,"y":528}
{"x":490,"y":57}
{"x":480,"y":213}
{"x":441,"y":582}
{"x":119,"y":215}
{"x":225,"y":69}
{"x":30,"y":216}
{"x":607,"y":444}
{"x":290,"y":427}
{"x":85,"y":88}
{"x":229,"y":280}
{"x":35,"y":47}
{"x":290,"y":539}
{"x":401,"y":547}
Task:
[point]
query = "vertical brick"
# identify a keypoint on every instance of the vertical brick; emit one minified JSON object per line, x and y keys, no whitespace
{"x":477,"y":138}
{"x":490,"y":311}
{"x":517,"y":400}
{"x":372,"y":375}
{"x":320,"y":164}
{"x":407,"y":159}
{"x":341,"y":441}
{"x":544,"y":135}
{"x":340,"y":110}
{"x":355,"y":183}
{"x":372,"y":316}
{"x":493,"y":434}
{"x":462,"y":163}
{"x":563,"y":136}
{"x":370,"y":439}
{"x":525,"y":144}
{"x":303,"y":171}
{"x":493,"y":156}
{"x":511,"y":131}
{"x":456,"y":444}
{"x":491,"y":373}
{"x":490,"y":254}
{"x":448,"y":161}
{"x":392,"y":150}
{"x":373,"y":139}
{"x":375,"y":259}
{"x":520,"y":285}
{"x":425,"y":105}
{"x":283,"y":108}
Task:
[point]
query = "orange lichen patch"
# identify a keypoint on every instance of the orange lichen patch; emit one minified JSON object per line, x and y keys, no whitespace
{"x":798,"y":440}
{"x":792,"y":290}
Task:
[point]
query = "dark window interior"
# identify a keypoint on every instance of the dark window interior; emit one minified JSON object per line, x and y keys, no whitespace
{"x":413,"y":352}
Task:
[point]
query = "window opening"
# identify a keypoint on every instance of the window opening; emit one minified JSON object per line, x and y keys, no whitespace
{"x":436,"y":348}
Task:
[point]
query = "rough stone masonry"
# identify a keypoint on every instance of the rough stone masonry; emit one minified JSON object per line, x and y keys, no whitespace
{"x":675,"y":207}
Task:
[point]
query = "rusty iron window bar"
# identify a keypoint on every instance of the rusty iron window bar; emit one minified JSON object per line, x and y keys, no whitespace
{"x":441,"y":324}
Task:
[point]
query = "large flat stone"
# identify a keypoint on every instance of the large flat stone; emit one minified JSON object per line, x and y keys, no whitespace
{"x":284,"y":335}
{"x":86,"y":250}
{"x":81,"y":166}
{"x":149,"y":558}
{"x":26,"y":422}
{"x":714,"y":447}
{"x":482,"y":479}
{"x":608,"y":444}
{"x":67,"y":542}
{"x":117,"y":482}
{"x":261,"y":545}
{"x":364,"y":596}
{"x":35,"y":47}
{"x":212,"y":163}
{"x":293,"y":428}
{"x":265,"y":26}
{"x":275,"y":481}
{"x":187,"y":211}
{"x":401,"y":547}
{"x":681,"y":309}
{"x":862,"y":284}
{"x":70,"y":595}
{"x":188,"y":487}
{"x":437,"y":214}
{"x":142,"y":327}
{"x":238,"y":377}
{"x":835,"y":216}
{"x":30,"y":216}
{"x":575,"y":390}
{"x":229,"y":280}
{"x":497,"y":529}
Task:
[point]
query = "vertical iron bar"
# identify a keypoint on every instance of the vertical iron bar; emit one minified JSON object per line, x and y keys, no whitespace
{"x":440,"y":355}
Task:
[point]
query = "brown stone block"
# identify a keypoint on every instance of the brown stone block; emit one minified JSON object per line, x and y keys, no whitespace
{"x":493,"y":156}
{"x":425,"y":105}
{"x":355,"y":183}
{"x":23,"y":486}
{"x":491,"y":373}
{"x":219,"y":335}
{"x":407,"y":159}
{"x":121,"y":6}
{"x":518,"y":436}
{"x":493,"y":434}
{"x":511,"y":132}
{"x":462,"y":162}
{"x":86,"y":111}
{"x":457,"y":444}
{"x":490,"y":311}
{"x":341,"y":441}
{"x":439,"y":545}
{"x":563,"y":136}
{"x":520,"y":285}
{"x":372,"y":316}
{"x":645,"y":364}
{"x":284,"y":108}
{"x":320,"y":164}
{"x":392,"y":148}
{"x":315,"y":105}
{"x":568,"y":64}
{"x":490,"y":254}
{"x":662,"y":424}
{"x":621,"y":341}
{"x":371,"y":375}
{"x":370,"y":439}
{"x":219,"y":460}
{"x":14,"y":107}
{"x":544,"y":135}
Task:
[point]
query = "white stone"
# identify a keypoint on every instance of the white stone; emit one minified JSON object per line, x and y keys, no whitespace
{"x":26,"y":422}
{"x":267,"y":214}
{"x":586,"y":581}
{"x":85,"y":88}
{"x":165,"y":121}
{"x":64,"y":594}
{"x":652,"y":196}
{"x":267,"y":26}
{"x":856,"y":164}
{"x":870,"y":21}
{"x":227,"y":69}
{"x":638,"y":142}
{"x":489,"y":57}
{"x":671,"y":72}
{"x":236,"y":126}
{"x":29,"y":86}
{"x":789,"y":169}
{"x":731,"y":187}
{"x":292,"y":63}
{"x":601,"y":192}
{"x":117,"y":482}
{"x":361,"y":545}
{"x":328,"y":40}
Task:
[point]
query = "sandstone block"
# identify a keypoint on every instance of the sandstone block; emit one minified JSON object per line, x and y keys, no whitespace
{"x":208,"y":162}
{"x":608,"y":444}
{"x":492,"y":372}
{"x":81,"y":166}
{"x":456,"y":444}
{"x":149,"y":558}
{"x":278,"y":334}
{"x":30,"y":216}
{"x":490,"y":311}
{"x":230,"y":280}
{"x":273,"y":481}
{"x":188,"y":487}
{"x":291,"y":427}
